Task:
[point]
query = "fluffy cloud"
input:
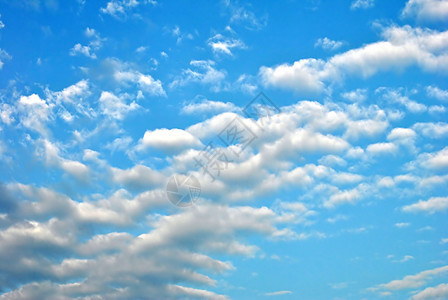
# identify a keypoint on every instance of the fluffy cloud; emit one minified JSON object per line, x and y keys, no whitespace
{"x":35,"y":113}
{"x":402,"y":47}
{"x":203,"y":72}
{"x":328,"y":44}
{"x":433,"y":205}
{"x":145,"y":82}
{"x":436,"y":10}
{"x":169,"y":140}
{"x":438,"y":292}
{"x":411,"y":281}
{"x":437,"y":93}
{"x":207,"y":106}
{"x":222,"y":45}
{"x":115,"y":107}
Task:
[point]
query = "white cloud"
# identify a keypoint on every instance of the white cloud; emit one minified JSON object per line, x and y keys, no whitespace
{"x":433,"y":161}
{"x":4,"y":56}
{"x":362,"y":4}
{"x":242,"y":15}
{"x":115,"y":107}
{"x":2,"y":25}
{"x":84,"y":50}
{"x":382,"y":148}
{"x":6,"y":112}
{"x":411,"y":281}
{"x":432,"y":130}
{"x":435,"y":92}
{"x":35,"y":113}
{"x":402,"y":225}
{"x":144,"y":82}
{"x":328,"y":44}
{"x":96,"y":42}
{"x":402,"y":47}
{"x":208,"y":106}
{"x":203,"y":72}
{"x":169,"y":140}
{"x":119,"y":8}
{"x":401,"y":133}
{"x":343,"y":197}
{"x":438,"y":292}
{"x":358,"y":95}
{"x":278,"y":293}
{"x":433,"y":205}
{"x":434,"y":10}
{"x":395,"y":96}
{"x":223,"y":45}
{"x":72,"y":167}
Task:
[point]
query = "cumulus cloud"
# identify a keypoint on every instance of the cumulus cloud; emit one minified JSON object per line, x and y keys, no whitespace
{"x":401,"y":48}
{"x":35,"y":113}
{"x":437,"y":292}
{"x":433,"y":10}
{"x":327,"y":44}
{"x":435,"y":92}
{"x":411,"y":281}
{"x":433,"y":205}
{"x":169,"y":140}
{"x":207,"y":106}
{"x":115,"y":107}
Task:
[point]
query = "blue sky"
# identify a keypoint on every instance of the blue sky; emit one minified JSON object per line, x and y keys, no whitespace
{"x":335,"y":189}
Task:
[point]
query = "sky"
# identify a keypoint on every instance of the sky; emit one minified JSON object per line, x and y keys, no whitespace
{"x":154,"y":149}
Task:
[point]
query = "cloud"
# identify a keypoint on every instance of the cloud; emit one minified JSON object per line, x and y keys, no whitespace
{"x":278,"y":293}
{"x":438,"y":292}
{"x":433,"y":205}
{"x":115,"y":107}
{"x":4,"y":56}
{"x":206,"y":106}
{"x":119,"y":8}
{"x":402,"y":225}
{"x":395,"y":96}
{"x":223,"y":45}
{"x":84,"y":50}
{"x":2,"y":25}
{"x":358,"y":95}
{"x":432,"y":10}
{"x":382,"y":148}
{"x":240,"y":14}
{"x":203,"y":72}
{"x":72,"y":167}
{"x":401,"y":48}
{"x":432,"y":130}
{"x":433,"y":161}
{"x":180,"y":36}
{"x":96,"y":42}
{"x":35,"y":113}
{"x":327,"y":44}
{"x":144,"y":82}
{"x":437,"y":93}
{"x":362,"y":4}
{"x":411,"y":281}
{"x":169,"y":140}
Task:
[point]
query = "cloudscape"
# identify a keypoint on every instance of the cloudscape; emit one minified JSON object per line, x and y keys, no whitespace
{"x":155,"y":149}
